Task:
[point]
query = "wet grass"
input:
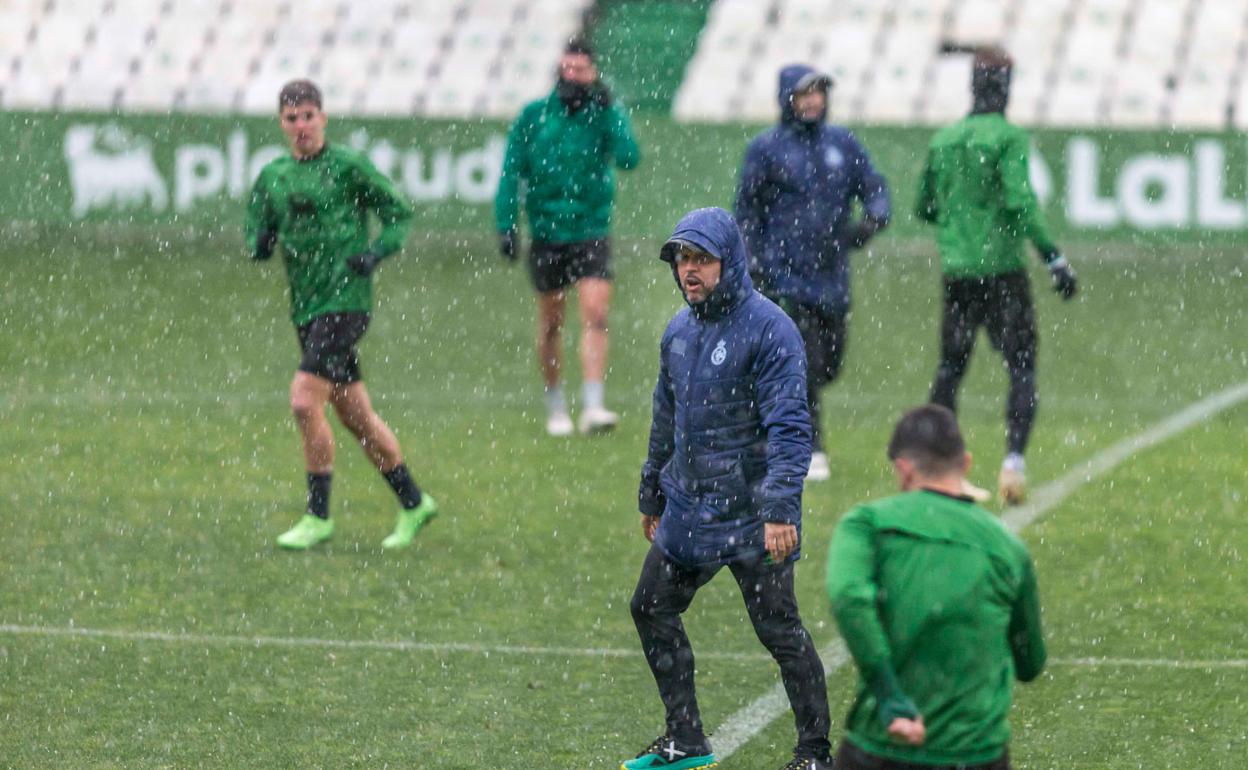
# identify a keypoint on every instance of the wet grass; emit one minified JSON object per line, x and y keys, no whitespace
{"x":151,"y":461}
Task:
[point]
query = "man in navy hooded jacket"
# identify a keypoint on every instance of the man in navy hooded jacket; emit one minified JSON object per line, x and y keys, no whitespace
{"x":722,"y":486}
{"x":795,"y":202}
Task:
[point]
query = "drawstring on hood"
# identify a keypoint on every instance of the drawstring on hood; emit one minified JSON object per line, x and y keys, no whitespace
{"x":715,"y":232}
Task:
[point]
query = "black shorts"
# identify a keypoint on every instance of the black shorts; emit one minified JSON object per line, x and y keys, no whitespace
{"x":556,"y":266}
{"x":850,"y":757}
{"x":328,"y":342}
{"x":999,"y":303}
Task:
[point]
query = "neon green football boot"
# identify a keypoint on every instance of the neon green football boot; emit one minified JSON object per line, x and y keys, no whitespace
{"x":409,"y":523}
{"x":309,"y":531}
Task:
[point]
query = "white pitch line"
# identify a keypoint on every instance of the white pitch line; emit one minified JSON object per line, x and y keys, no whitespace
{"x":753,"y":718}
{"x":92,"y":634}
{"x":346,"y":644}
{"x":1199,"y":665}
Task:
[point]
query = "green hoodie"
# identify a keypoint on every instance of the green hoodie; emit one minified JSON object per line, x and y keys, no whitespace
{"x":565,"y":161}
{"x":975,"y":189}
{"x":937,"y":603}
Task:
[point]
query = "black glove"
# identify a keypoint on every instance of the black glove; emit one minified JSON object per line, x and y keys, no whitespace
{"x":601,"y":95}
{"x":863,"y":231}
{"x":509,"y":244}
{"x":1063,"y":274}
{"x":266,"y":242}
{"x":363,"y":263}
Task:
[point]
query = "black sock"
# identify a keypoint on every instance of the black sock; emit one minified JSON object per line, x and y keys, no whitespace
{"x":318,"y":494}
{"x":400,"y":481}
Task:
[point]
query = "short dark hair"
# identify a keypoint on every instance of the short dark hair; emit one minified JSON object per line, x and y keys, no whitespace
{"x":579,"y":45}
{"x":929,"y":437}
{"x":298,"y":92}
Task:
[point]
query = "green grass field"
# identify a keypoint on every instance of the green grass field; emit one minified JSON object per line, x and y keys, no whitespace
{"x":150,"y":462}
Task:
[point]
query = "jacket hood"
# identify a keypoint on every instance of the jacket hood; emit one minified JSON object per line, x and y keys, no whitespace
{"x":794,"y":78}
{"x":714,"y":231}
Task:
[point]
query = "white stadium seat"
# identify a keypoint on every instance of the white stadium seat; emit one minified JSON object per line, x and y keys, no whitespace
{"x":1145,"y":63}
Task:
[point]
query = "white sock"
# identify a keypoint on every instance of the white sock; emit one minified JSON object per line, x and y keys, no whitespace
{"x":1014,"y":462}
{"x":555,"y":402}
{"x":592,"y":394}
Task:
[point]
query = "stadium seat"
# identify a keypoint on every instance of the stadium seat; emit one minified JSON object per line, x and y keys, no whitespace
{"x":978,"y":22}
{"x":1077,"y":98}
{"x":948,"y":96}
{"x":1239,"y":105}
{"x":893,"y":94}
{"x":1137,"y":101}
{"x":1201,"y":99}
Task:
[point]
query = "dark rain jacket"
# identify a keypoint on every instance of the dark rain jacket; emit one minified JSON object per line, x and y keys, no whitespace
{"x":795,"y":200}
{"x":730,"y":437}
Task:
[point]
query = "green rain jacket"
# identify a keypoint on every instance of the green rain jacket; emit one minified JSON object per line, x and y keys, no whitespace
{"x":937,"y":603}
{"x":565,"y":162}
{"x":975,"y":189}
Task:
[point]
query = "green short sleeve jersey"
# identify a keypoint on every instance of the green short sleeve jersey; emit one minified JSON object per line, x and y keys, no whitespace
{"x":975,"y":189}
{"x":937,"y":603}
{"x":318,"y":209}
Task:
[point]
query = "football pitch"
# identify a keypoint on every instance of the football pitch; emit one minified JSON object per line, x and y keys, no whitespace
{"x":148,"y":620}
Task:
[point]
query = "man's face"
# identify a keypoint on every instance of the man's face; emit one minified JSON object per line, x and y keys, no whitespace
{"x":304,"y":126}
{"x":577,"y":68}
{"x":698,"y":273}
{"x":809,"y":105}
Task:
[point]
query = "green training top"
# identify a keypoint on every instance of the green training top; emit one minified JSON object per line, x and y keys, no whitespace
{"x":975,"y":188}
{"x":318,"y":209}
{"x":937,"y":603}
{"x":564,"y":160}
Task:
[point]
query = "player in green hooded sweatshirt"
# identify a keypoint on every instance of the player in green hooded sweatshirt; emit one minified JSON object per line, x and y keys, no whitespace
{"x":975,"y":189}
{"x":315,"y":204}
{"x":938,"y":605}
{"x":560,"y":153}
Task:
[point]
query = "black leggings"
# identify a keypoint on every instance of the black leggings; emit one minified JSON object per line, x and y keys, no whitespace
{"x":665,"y":590}
{"x":1002,"y":305}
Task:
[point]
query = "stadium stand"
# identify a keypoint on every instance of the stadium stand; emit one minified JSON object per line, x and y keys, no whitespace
{"x":400,"y":57}
{"x":1130,"y":63}
{"x":644,"y":45}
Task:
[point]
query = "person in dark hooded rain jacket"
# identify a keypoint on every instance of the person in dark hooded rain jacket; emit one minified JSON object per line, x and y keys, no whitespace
{"x":795,"y":198}
{"x":722,"y":486}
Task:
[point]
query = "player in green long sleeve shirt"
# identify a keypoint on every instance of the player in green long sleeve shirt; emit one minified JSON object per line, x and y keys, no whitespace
{"x":975,"y":189}
{"x":315,"y":204}
{"x":938,"y":605}
{"x":560,"y":156}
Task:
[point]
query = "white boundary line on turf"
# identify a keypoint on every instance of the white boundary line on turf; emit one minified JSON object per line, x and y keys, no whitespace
{"x":91,"y":397}
{"x":95,"y":634}
{"x":753,"y":718}
{"x":11,"y":629}
{"x":1198,"y":665}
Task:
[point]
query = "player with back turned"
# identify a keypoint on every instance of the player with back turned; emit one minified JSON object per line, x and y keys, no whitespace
{"x":315,"y":204}
{"x":938,"y":604}
{"x":975,"y":189}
